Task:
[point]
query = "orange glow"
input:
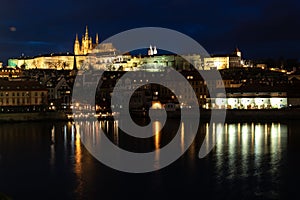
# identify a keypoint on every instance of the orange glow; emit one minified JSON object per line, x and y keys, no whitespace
{"x":156,"y":126}
{"x":78,"y":163}
{"x":156,"y":131}
{"x":156,"y":105}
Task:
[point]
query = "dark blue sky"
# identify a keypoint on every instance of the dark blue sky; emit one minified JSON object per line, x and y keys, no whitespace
{"x":260,"y":28}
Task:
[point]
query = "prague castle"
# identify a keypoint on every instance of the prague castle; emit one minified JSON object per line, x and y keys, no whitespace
{"x":86,"y":45}
{"x":59,"y":61}
{"x":105,"y":56}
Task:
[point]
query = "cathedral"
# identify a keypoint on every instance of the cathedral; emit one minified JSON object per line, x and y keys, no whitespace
{"x":86,"y":45}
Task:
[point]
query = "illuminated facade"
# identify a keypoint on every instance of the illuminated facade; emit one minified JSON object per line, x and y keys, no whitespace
{"x":10,"y":72}
{"x":60,"y":61}
{"x":50,"y":61}
{"x":224,"y":61}
{"x":86,"y":45}
{"x":254,"y":98}
{"x":106,"y":56}
{"x":15,"y":95}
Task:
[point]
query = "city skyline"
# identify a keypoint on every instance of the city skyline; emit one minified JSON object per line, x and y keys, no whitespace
{"x":196,"y":98}
{"x":266,"y":29}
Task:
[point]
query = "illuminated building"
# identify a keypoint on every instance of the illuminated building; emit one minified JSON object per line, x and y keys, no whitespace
{"x":22,"y":96}
{"x":60,"y":61}
{"x":63,"y":61}
{"x":10,"y":72}
{"x":224,"y":61}
{"x":253,"y":97}
{"x":105,"y":56}
{"x":152,"y":51}
{"x":86,"y":45}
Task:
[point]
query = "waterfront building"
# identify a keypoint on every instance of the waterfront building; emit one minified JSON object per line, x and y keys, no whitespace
{"x":22,"y":96}
{"x":253,"y":97}
{"x":59,"y":93}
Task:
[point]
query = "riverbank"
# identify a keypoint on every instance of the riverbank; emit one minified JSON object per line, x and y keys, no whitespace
{"x":255,"y":115}
{"x":231,"y":115}
{"x":33,"y":116}
{"x":245,"y":115}
{"x":272,"y":114}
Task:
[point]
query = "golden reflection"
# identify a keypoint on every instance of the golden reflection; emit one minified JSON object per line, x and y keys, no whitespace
{"x":245,"y":148}
{"x":53,"y":135}
{"x":65,"y":136}
{"x":276,"y":135}
{"x":259,"y":136}
{"x":245,"y":139}
{"x":213,"y":133}
{"x":207,"y":137}
{"x":267,"y":134}
{"x":116,"y":132}
{"x":255,"y":139}
{"x":78,"y":162}
{"x":220,"y":145}
{"x":156,"y":126}
{"x":156,"y":133}
{"x":279,"y":134}
{"x":239,"y":134}
{"x":97,"y":133}
{"x":252,"y":137}
{"x":226,"y":133}
{"x":232,"y":136}
{"x":182,"y":137}
{"x":232,"y":143}
{"x":219,"y":131}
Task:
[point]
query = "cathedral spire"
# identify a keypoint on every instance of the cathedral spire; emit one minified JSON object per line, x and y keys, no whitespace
{"x":97,"y":38}
{"x":86,"y":32}
{"x":76,"y":46}
{"x":238,"y":52}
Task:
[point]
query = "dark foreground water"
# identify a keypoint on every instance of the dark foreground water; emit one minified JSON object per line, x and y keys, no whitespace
{"x":250,"y":161}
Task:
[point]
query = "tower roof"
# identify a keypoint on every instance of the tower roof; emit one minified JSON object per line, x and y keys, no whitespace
{"x":86,"y":32}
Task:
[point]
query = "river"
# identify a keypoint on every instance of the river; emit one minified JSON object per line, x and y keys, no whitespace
{"x":251,"y":160}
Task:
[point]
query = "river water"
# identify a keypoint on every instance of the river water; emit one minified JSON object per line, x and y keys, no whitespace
{"x":251,"y":160}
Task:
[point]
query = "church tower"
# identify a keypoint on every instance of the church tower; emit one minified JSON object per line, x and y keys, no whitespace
{"x":86,"y":45}
{"x":97,"y":39}
{"x":77,"y":46}
{"x":238,"y":52}
{"x":86,"y":42}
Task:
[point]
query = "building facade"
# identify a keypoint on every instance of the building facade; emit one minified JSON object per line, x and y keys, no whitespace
{"x":22,"y":96}
{"x":224,"y":61}
{"x":63,"y":61}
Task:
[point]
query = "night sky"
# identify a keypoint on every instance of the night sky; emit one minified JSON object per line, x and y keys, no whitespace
{"x":260,"y":28}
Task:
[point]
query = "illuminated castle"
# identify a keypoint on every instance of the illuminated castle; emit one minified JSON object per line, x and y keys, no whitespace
{"x":86,"y":45}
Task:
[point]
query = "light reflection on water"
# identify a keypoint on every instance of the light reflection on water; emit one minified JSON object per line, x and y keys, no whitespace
{"x":242,"y":142}
{"x":235,"y":143}
{"x":250,"y":154}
